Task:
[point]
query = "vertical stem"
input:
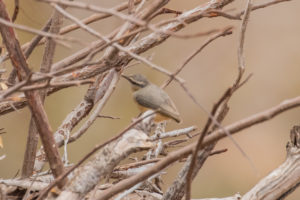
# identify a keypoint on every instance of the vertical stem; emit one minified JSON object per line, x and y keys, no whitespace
{"x":32,"y":138}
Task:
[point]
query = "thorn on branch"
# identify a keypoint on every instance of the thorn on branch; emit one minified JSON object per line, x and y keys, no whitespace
{"x":218,"y":152}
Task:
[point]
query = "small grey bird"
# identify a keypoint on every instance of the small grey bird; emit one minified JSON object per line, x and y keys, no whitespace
{"x":149,"y":96}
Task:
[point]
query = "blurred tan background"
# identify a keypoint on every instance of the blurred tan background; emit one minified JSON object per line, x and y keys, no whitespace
{"x":272,"y":54}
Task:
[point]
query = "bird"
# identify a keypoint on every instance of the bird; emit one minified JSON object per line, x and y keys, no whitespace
{"x":149,"y":96}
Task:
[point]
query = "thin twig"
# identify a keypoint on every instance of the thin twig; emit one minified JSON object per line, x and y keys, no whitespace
{"x":108,"y":117}
{"x":241,"y":60}
{"x":16,"y":11}
{"x":175,"y":133}
{"x":263,"y":5}
{"x":61,"y":84}
{"x":224,"y":32}
{"x":96,"y":17}
{"x":38,"y":32}
{"x":218,"y":152}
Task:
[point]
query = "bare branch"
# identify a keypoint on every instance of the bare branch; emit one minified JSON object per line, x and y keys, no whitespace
{"x":184,"y":131}
{"x":16,"y":11}
{"x":241,"y":60}
{"x":37,"y":32}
